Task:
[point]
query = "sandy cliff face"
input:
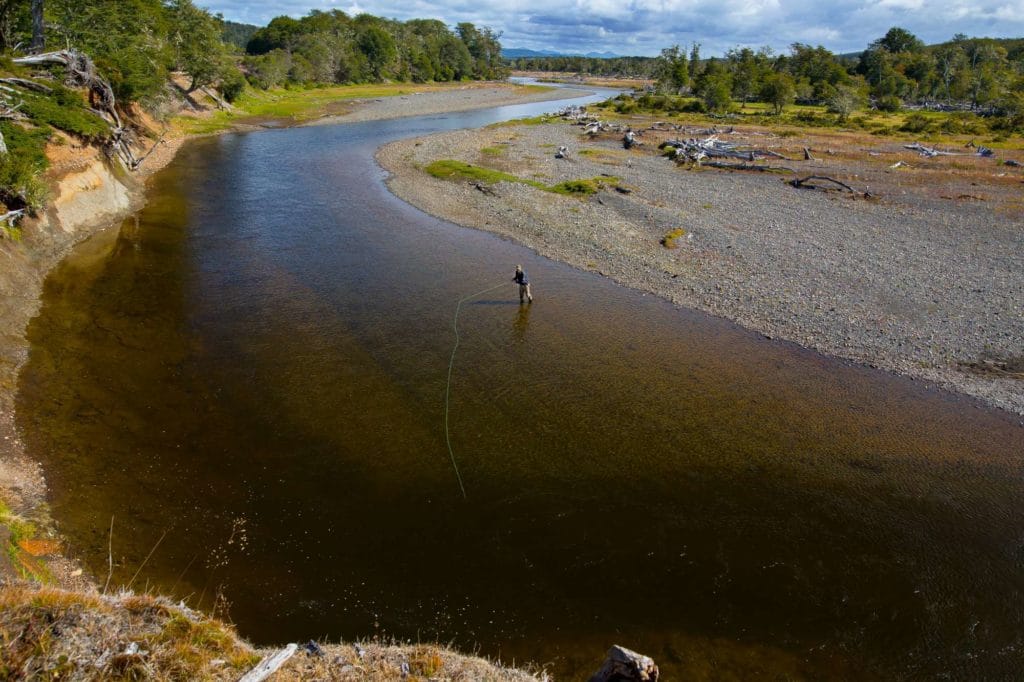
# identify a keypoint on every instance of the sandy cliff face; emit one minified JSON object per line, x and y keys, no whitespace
{"x":90,"y":196}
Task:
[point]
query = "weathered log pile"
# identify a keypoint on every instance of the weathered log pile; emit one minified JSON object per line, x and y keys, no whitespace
{"x":931,"y":152}
{"x":592,"y":125}
{"x":711,"y":147}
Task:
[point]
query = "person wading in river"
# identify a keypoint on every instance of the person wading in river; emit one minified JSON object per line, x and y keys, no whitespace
{"x":524,"y":284}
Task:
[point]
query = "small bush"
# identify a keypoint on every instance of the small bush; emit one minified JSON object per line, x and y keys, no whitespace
{"x":671,"y":239}
{"x":917,"y":123}
{"x":626,"y":106}
{"x":694,"y":106}
{"x":576,"y":187}
{"x":963,"y":123}
{"x":889,"y":103}
{"x":232,"y":84}
{"x":66,"y":110}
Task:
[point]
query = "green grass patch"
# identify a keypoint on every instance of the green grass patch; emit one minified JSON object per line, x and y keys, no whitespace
{"x":583,"y":187}
{"x":529,"y":121}
{"x":492,"y":151}
{"x":671,"y":239}
{"x":65,"y":109}
{"x":449,"y":169}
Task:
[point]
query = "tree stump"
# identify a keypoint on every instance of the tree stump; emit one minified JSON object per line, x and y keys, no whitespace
{"x":623,"y":665}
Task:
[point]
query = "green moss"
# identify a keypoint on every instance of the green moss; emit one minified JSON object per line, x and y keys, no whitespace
{"x":671,"y":239}
{"x":493,"y":151}
{"x":449,"y":169}
{"x":531,"y":121}
{"x":65,"y":109}
{"x":576,"y":187}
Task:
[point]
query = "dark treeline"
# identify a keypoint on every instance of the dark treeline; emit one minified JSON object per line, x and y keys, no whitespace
{"x":624,"y":67}
{"x":895,"y":70}
{"x":331,"y":47}
{"x":136,"y":44}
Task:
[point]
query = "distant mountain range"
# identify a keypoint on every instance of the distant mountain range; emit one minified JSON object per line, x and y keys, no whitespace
{"x":516,"y":52}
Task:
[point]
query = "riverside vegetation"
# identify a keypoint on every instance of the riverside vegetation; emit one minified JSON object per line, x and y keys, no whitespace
{"x":161,"y":56}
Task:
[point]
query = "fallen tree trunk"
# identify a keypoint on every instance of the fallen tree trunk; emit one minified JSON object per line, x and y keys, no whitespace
{"x":748,"y":167}
{"x":805,"y":183}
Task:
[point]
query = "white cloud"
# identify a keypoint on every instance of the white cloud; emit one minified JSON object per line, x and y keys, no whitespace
{"x":646,"y":26}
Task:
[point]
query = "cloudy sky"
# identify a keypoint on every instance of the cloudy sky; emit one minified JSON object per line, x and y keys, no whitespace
{"x":643,"y":27}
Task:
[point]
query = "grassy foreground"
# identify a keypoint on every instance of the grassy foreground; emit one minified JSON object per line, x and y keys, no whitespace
{"x":53,"y":634}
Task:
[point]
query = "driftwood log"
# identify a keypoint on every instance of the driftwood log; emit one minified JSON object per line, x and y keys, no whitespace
{"x":748,"y":167}
{"x":711,"y":147}
{"x":268,"y":666}
{"x":807,"y":183}
{"x":623,"y":665}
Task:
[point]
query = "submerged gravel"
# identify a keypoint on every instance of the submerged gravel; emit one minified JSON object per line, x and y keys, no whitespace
{"x":906,"y":282}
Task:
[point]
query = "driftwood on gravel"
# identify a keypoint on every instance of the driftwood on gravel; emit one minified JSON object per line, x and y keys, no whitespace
{"x":697,"y":150}
{"x":747,"y":167}
{"x":933,"y":151}
{"x":806,"y":183}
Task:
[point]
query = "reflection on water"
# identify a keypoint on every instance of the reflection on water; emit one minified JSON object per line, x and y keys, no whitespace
{"x":257,"y":366}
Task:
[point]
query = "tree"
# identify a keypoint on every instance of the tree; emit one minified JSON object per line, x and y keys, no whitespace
{"x":778,"y":89}
{"x":898,"y":40}
{"x":38,"y":35}
{"x":195,"y":37}
{"x":844,"y":101}
{"x":673,"y":70}
{"x":715,"y":87}
{"x":748,"y":69}
{"x":485,"y":50}
{"x":379,"y":48}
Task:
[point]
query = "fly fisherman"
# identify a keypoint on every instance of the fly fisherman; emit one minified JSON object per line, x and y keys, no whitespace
{"x":524,"y":284}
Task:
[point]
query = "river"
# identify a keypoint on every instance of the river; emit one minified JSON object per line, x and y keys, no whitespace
{"x":249,"y":378}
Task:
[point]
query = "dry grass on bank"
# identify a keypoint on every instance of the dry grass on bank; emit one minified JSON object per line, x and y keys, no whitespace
{"x":49,"y":633}
{"x":53,"y":634}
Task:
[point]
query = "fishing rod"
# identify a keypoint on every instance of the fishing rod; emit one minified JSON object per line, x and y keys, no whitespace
{"x":448,"y":387}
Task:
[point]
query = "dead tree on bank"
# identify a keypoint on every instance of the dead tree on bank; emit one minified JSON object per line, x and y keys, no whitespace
{"x":38,"y":30}
{"x":81,"y":72}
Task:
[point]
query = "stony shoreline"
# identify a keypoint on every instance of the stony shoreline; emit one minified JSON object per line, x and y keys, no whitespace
{"x":923,"y":280}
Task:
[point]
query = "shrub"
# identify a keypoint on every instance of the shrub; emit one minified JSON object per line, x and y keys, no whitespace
{"x":890,"y":103}
{"x":232,"y":83}
{"x":916,"y":123}
{"x":963,"y":123}
{"x":671,"y":238}
{"x":626,"y":106}
{"x":20,"y":184}
{"x":66,"y":110}
{"x":576,"y":187}
{"x":694,"y":106}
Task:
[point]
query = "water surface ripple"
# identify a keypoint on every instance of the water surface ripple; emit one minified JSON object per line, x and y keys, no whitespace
{"x":256,"y":364}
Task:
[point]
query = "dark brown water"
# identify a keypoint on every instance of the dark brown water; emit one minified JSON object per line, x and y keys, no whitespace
{"x":254,"y":370}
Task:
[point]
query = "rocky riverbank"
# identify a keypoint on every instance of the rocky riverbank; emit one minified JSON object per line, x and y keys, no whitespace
{"x":923,"y":278}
